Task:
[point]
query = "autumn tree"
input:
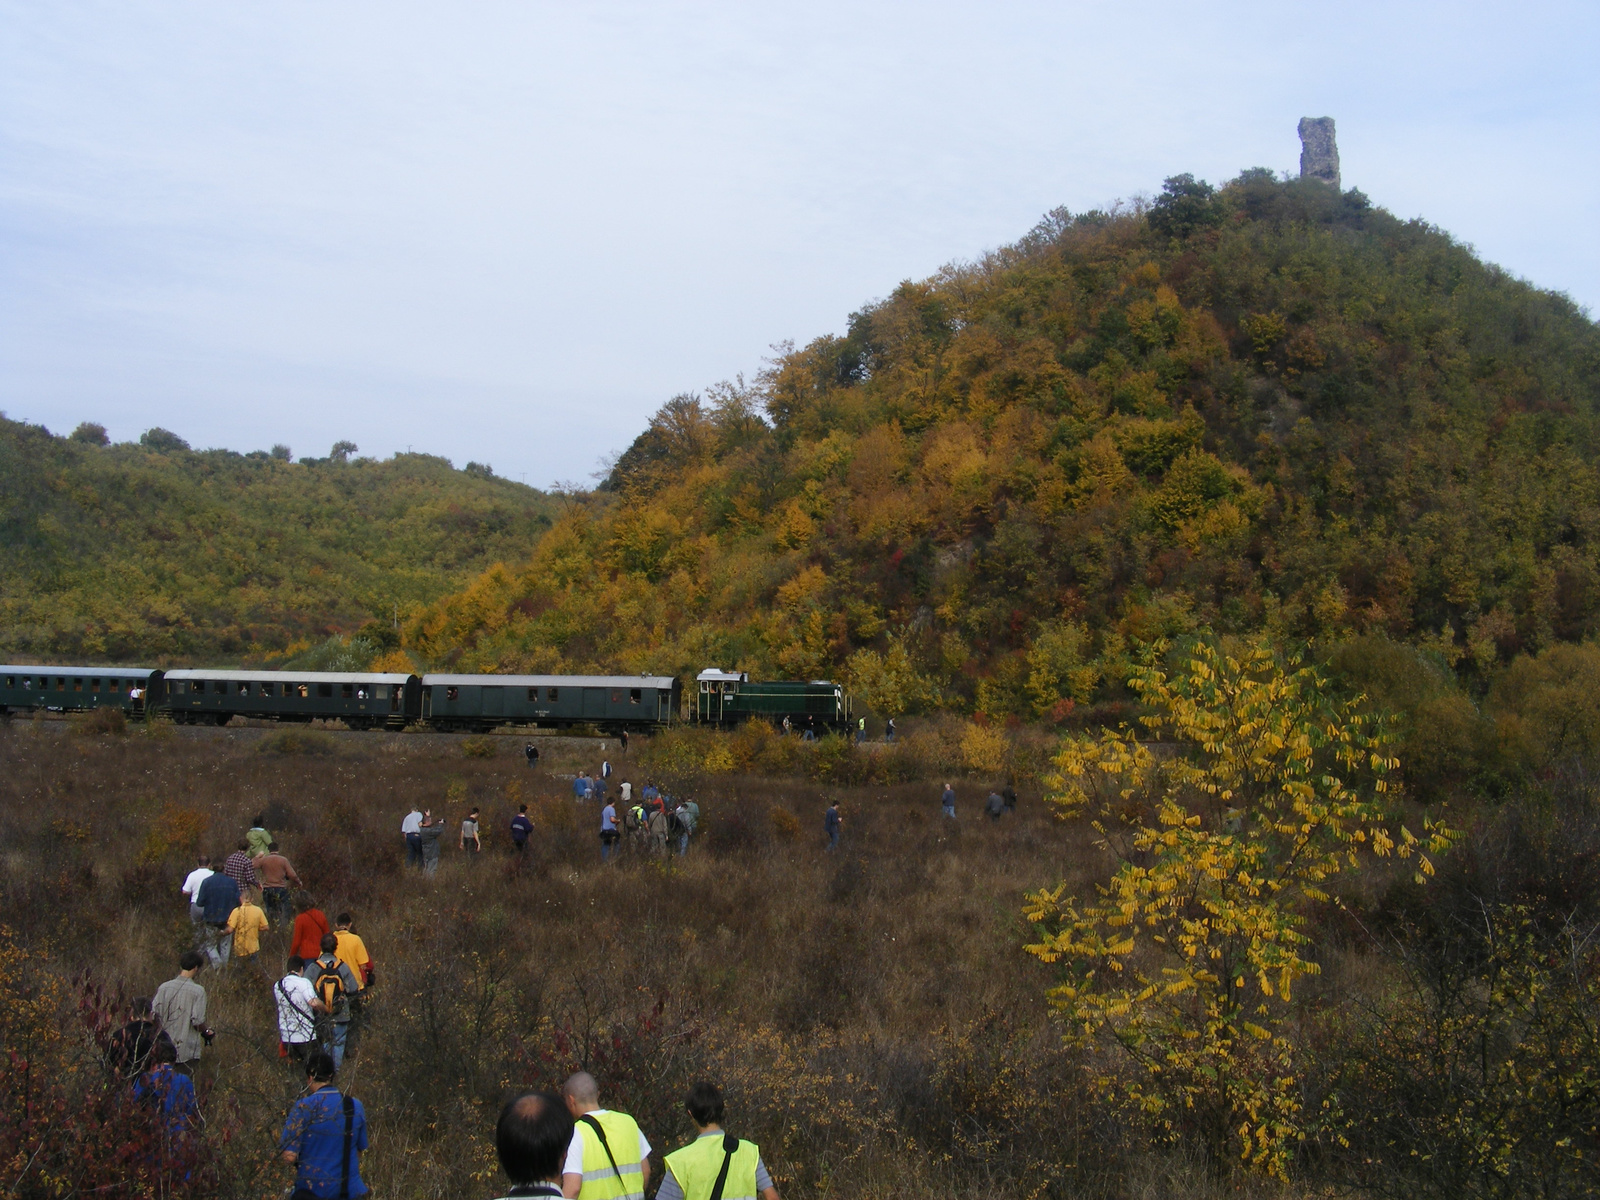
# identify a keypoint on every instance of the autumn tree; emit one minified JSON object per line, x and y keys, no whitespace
{"x":1259,"y":788}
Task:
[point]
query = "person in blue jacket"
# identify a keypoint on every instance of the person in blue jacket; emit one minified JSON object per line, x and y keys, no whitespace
{"x":324,"y":1137}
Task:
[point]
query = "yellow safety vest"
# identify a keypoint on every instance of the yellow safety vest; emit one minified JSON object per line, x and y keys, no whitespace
{"x":697,"y":1165}
{"x":600,"y":1181}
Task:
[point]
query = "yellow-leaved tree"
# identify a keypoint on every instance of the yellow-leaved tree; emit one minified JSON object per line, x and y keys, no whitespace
{"x":1257,"y":788}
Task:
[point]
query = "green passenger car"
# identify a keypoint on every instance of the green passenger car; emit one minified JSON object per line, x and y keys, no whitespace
{"x":481,"y":702}
{"x":729,"y":697}
{"x":362,"y":700}
{"x":135,"y":690}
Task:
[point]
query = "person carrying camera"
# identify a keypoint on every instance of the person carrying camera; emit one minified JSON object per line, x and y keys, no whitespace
{"x":180,"y":1006}
{"x":324,"y":1136}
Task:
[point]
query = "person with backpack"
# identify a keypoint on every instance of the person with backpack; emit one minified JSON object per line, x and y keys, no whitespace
{"x":531,"y":1139}
{"x":608,"y":1157}
{"x":521,"y":830}
{"x":298,"y":1007}
{"x":334,"y":984}
{"x":324,"y":1137}
{"x":715,"y":1164}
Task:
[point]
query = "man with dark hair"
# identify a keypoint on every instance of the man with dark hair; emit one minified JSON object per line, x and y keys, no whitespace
{"x":297,"y":1010}
{"x":219,"y":896}
{"x":180,"y":1006}
{"x":334,"y":984}
{"x":169,"y":1091}
{"x":324,"y":1136}
{"x":521,"y":829}
{"x":607,"y":1158}
{"x":257,"y":838}
{"x":131,"y":1048}
{"x":531,"y":752}
{"x":240,"y":866}
{"x":714,"y":1162}
{"x":531,"y":1139}
{"x":276,"y":875}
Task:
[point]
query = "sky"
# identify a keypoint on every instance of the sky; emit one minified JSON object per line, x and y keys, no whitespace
{"x":507,"y":232}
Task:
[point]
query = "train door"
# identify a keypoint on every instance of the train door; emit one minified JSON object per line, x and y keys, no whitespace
{"x":494,"y":702}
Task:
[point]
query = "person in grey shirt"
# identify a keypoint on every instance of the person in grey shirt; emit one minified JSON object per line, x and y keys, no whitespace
{"x":180,"y":1006}
{"x":431,"y":833}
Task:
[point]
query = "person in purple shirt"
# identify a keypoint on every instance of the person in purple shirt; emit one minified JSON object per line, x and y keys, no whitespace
{"x":325,"y":1135}
{"x":521,"y":829}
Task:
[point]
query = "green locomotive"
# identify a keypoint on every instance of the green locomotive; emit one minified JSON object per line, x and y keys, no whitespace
{"x":729,"y":698}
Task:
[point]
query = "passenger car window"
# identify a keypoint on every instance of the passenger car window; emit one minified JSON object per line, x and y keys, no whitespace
{"x":635,"y":695}
{"x":552,"y":694}
{"x":451,"y":693}
{"x":115,"y":685}
{"x":325,"y":690}
{"x":302,"y":691}
{"x":347,"y":690}
{"x":533,"y":695}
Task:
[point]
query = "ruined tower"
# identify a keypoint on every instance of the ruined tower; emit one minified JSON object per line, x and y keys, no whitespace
{"x":1319,"y":153}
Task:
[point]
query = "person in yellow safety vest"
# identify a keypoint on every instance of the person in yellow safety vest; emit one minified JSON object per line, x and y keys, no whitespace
{"x":608,"y":1158}
{"x":716,"y":1165}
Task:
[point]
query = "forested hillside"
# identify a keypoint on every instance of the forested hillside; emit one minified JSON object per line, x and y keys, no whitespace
{"x":157,"y":553}
{"x":1272,"y":406}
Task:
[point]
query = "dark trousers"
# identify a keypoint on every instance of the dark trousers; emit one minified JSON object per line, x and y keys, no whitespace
{"x":414,"y":850}
{"x":276,"y":901}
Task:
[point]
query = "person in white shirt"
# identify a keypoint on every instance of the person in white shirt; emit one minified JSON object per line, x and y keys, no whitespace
{"x":191,"y":889}
{"x":587,"y":1152}
{"x":411,"y":827}
{"x":297,"y":1009}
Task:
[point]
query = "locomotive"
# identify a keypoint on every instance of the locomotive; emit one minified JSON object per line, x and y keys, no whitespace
{"x":449,"y":703}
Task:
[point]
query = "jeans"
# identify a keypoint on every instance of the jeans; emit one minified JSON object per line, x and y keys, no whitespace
{"x":683,"y":844}
{"x":950,"y":811}
{"x":197,"y":918}
{"x":218,"y":945}
{"x":413,"y":849}
{"x":608,"y":839}
{"x":337,"y":1032}
{"x":276,"y":902}
{"x":833,"y":839}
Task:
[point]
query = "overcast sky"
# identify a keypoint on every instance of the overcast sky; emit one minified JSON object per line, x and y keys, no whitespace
{"x":508,"y":231}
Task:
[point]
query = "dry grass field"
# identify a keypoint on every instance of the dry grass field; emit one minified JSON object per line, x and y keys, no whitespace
{"x":872,"y":1013}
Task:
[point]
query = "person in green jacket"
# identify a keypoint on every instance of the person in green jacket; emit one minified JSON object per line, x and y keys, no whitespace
{"x":716,"y":1165}
{"x":258,"y":839}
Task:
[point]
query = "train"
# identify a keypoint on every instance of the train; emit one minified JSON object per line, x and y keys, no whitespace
{"x":444,"y":702}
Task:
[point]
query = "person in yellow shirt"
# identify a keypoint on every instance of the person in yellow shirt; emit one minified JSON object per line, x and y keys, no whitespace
{"x":247,"y":923}
{"x":352,"y":952}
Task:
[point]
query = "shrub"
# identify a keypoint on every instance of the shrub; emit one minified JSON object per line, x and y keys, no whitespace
{"x":478,"y":747}
{"x":296,"y":741}
{"x":784,"y":823}
{"x":99,"y":722}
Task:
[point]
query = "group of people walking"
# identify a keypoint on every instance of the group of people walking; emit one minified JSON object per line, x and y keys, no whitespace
{"x":567,"y":1145}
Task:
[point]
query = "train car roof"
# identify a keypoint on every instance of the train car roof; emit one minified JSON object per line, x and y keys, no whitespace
{"x":606,"y":681}
{"x":293,"y":676}
{"x":36,"y":668}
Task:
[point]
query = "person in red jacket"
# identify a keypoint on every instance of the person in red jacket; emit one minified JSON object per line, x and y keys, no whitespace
{"x":310,"y":927}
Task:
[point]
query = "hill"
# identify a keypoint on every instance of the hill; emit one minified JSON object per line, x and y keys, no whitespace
{"x":158,"y":553}
{"x":1267,"y":406}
